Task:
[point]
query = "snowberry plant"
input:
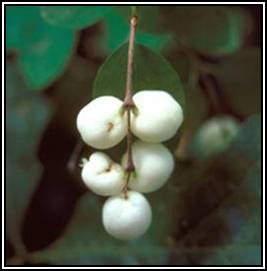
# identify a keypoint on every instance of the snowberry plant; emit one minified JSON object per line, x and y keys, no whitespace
{"x":146,"y":119}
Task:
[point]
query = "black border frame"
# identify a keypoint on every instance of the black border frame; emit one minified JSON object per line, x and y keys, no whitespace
{"x":262,"y":123}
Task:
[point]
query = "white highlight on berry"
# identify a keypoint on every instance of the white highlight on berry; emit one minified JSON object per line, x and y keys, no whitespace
{"x":153,"y":166}
{"x":103,"y":176}
{"x":158,"y":116}
{"x":127,"y":218}
{"x":100,"y":123}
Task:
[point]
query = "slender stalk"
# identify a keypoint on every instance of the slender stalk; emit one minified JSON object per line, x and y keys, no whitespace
{"x":128,"y":100}
{"x":134,"y":11}
{"x":130,"y":164}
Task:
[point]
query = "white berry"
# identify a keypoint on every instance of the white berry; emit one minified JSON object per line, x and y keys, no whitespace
{"x":100,"y":123}
{"x":102,"y":175}
{"x":158,"y":116}
{"x":127,"y":218}
{"x":153,"y":166}
{"x":215,"y":135}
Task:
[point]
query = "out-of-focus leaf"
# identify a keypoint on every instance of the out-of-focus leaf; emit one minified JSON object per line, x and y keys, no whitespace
{"x":181,"y":63}
{"x":44,"y":50}
{"x":73,"y":17}
{"x":25,"y":119}
{"x":230,"y":256}
{"x":247,"y":143}
{"x":46,"y":61}
{"x":242,"y":212}
{"x":218,"y":205}
{"x":243,"y":216}
{"x":22,"y":27}
{"x":117,"y":32}
{"x":240,"y":78}
{"x":151,"y":72}
{"x":212,"y":30}
{"x":86,"y":242}
{"x":247,"y":255}
{"x":154,"y":41}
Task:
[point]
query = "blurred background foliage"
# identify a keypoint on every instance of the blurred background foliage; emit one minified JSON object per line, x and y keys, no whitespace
{"x":209,"y":213}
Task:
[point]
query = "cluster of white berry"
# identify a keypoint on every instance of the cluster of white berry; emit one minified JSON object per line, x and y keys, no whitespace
{"x":102,"y":124}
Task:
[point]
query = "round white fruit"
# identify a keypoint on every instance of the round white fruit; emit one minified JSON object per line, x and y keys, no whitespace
{"x":215,"y":135}
{"x":153,"y":166}
{"x":102,"y":175}
{"x":100,"y":123}
{"x":158,"y":116}
{"x":127,"y":218}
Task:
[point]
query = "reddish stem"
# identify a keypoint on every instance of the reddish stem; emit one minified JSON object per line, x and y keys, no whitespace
{"x":128,"y":100}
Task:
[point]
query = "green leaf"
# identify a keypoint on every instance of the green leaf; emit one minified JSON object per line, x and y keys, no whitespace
{"x":47,"y":59}
{"x":73,"y":17}
{"x":153,"y":41}
{"x":21,"y":27}
{"x":245,"y":219}
{"x":181,"y":63}
{"x":247,"y":143}
{"x":236,"y":255}
{"x":117,"y":33}
{"x":26,"y":116}
{"x":44,"y":50}
{"x":151,"y":72}
{"x":218,"y":204}
{"x":213,"y":30}
{"x":229,"y":256}
{"x":240,"y":76}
